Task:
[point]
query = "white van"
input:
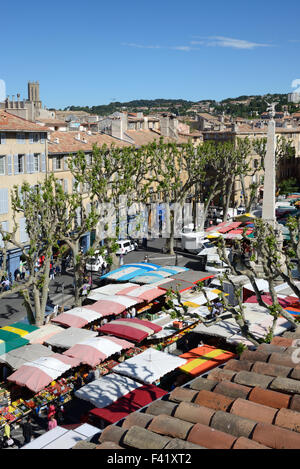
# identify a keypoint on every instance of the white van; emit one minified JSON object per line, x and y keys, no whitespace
{"x":95,"y":263}
{"x":194,"y":241}
{"x":125,"y":246}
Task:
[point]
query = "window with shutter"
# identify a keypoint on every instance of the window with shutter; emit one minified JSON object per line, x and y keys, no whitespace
{"x":42,"y":138}
{"x":20,"y":137}
{"x":43,"y":162}
{"x":3,"y":201}
{"x":4,"y":228}
{"x":23,"y":233}
{"x":2,"y":138}
{"x":2,"y":165}
{"x":30,"y":137}
{"x":9,"y":164}
{"x":66,"y":186}
{"x":16,"y":165}
{"x":27,"y":163}
{"x":66,"y":163}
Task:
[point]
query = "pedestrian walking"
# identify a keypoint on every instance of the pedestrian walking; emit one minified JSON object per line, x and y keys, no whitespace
{"x":51,"y":272}
{"x":17,"y":274}
{"x":27,"y":430}
{"x":60,"y":415}
{"x":121,"y":259}
{"x":57,"y":270}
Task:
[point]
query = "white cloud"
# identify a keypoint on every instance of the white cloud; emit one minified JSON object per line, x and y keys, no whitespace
{"x":142,"y":46}
{"x":221,"y":41}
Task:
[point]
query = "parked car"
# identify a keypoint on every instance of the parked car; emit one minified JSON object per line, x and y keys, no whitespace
{"x":125,"y":246}
{"x":95,"y":263}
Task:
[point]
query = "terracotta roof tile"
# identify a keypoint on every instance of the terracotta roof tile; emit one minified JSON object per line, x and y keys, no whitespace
{"x":258,"y":412}
{"x":161,"y":407}
{"x":282,"y":341}
{"x":289,"y":419}
{"x":276,"y":437}
{"x":253,"y":379}
{"x":271,"y":369}
{"x":176,"y":443}
{"x":220,"y":375}
{"x":203,"y":383}
{"x":194,"y":413}
{"x":68,"y":143}
{"x":112,"y":433}
{"x":245,"y":443}
{"x":270,"y":398}
{"x":256,"y":355}
{"x":295,"y":403}
{"x":108,"y":445}
{"x":170,"y":426}
{"x":238,"y":365}
{"x":232,"y":424}
{"x":137,"y":437}
{"x":182,"y":395}
{"x":210,"y":438}
{"x":271,"y":348}
{"x":232,"y":389}
{"x":287,"y":385}
{"x":281,"y":359}
{"x":213,"y":400}
{"x":140,"y":419}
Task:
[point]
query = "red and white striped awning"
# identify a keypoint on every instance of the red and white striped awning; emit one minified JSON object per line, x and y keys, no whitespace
{"x":39,"y":373}
{"x":96,"y":349}
{"x":77,"y":317}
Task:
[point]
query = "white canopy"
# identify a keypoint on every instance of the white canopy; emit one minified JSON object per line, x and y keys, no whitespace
{"x":62,"y":438}
{"x":107,"y":389}
{"x":112,"y":288}
{"x":120,"y":299}
{"x":149,"y":365}
{"x":69,"y":337}
{"x":42,"y":333}
{"x":28,"y":353}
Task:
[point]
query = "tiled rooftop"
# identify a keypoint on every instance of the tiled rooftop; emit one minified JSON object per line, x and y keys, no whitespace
{"x":10,"y":122}
{"x":249,"y":403}
{"x":68,"y":142}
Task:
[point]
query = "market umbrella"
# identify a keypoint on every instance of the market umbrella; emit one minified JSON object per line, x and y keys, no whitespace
{"x":37,"y":374}
{"x":20,"y":328}
{"x":204,"y":358}
{"x":96,"y":349}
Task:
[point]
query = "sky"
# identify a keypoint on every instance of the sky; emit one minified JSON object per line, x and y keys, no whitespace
{"x":96,"y":52}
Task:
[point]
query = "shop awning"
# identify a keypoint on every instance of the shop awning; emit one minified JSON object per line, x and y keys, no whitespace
{"x":130,"y":329}
{"x":149,"y":366}
{"x":106,"y":390}
{"x":43,"y":333}
{"x":69,"y":337}
{"x":193,"y":276}
{"x":62,"y":438}
{"x":202,"y":359}
{"x":96,"y":349}
{"x":77,"y":317}
{"x":30,"y":352}
{"x":129,"y":403}
{"x":113,"y":305}
{"x":176,"y":285}
{"x":231,"y":226}
{"x":148,"y":278}
{"x":112,"y":288}
{"x":127,"y":272}
{"x":194,"y":299}
{"x":268,"y":300}
{"x":216,"y":227}
{"x":10,"y":341}
{"x":293,"y":311}
{"x":119,"y":299}
{"x":20,"y":328}
{"x":144,"y":293}
{"x":37,"y":374}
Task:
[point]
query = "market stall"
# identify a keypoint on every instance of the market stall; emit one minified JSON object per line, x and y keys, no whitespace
{"x":62,"y":438}
{"x":97,"y":349}
{"x":70,"y":337}
{"x":125,"y":405}
{"x":175,"y":285}
{"x":149,"y":366}
{"x":193,"y":276}
{"x":18,"y":357}
{"x":14,"y":336}
{"x":126,"y":272}
{"x":37,"y":374}
{"x":204,"y":358}
{"x":106,"y":390}
{"x":113,"y":305}
{"x":130,"y":329}
{"x":144,"y":293}
{"x":78,"y":317}
{"x":149,"y":277}
{"x":43,"y":333}
{"x":194,"y":299}
{"x":112,"y":288}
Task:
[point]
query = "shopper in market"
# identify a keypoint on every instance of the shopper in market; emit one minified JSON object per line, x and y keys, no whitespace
{"x":52,"y":423}
{"x":27,"y":430}
{"x":51,"y":411}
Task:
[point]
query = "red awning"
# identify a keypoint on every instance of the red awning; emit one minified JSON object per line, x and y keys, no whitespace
{"x":129,"y":403}
{"x":229,"y":227}
{"x":131,"y":329}
{"x":268,"y":300}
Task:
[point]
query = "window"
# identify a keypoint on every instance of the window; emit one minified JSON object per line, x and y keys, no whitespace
{"x":58,"y":162}
{"x":20,"y":137}
{"x":36,"y":138}
{"x":2,"y":138}
{"x":20,"y":163}
{"x":2,"y":165}
{"x":36,"y":162}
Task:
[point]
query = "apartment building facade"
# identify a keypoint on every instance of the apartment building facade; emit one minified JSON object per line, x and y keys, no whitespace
{"x":23,"y":157}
